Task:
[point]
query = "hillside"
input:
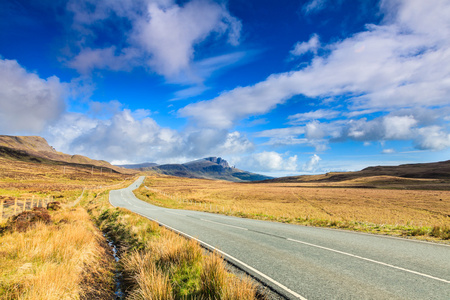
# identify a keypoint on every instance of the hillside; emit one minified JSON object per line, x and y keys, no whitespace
{"x":208,"y":168}
{"x":425,"y":176}
{"x":36,"y":149}
{"x":140,"y":166}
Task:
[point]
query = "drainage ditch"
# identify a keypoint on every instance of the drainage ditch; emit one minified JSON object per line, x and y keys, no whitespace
{"x":119,"y":289}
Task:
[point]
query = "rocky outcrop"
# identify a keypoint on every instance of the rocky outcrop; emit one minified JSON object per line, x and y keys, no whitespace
{"x":220,"y":161}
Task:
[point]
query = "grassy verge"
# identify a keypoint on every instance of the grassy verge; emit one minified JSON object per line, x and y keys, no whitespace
{"x":418,"y":214}
{"x":63,"y":258}
{"x":159,"y":264}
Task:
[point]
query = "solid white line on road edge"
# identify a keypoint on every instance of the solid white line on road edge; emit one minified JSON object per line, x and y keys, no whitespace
{"x":232,"y":258}
{"x":224,"y":224}
{"x":273,"y":281}
{"x":370,"y":260}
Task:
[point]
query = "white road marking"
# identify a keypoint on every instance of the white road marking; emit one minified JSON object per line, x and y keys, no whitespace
{"x":371,"y":260}
{"x":232,"y":258}
{"x":224,"y":224}
{"x":174,"y":213}
{"x":283,"y":287}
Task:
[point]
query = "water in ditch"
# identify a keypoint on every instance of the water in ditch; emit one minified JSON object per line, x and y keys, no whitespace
{"x":118,"y":276}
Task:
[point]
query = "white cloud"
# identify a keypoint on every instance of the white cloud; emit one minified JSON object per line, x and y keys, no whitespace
{"x":398,"y":127}
{"x":106,"y":58}
{"x":133,"y":136}
{"x":304,"y":47}
{"x":421,"y":126}
{"x":315,"y":130}
{"x":312,"y":164}
{"x":162,"y":35}
{"x":432,"y":138}
{"x":169,"y":34}
{"x":391,"y":66}
{"x":313,"y":115}
{"x":229,"y":107}
{"x":267,"y":161}
{"x":235,"y":143}
{"x":27,"y":102}
{"x":314,"y":6}
{"x":388,"y":151}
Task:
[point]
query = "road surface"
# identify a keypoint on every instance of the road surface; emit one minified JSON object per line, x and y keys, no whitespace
{"x":311,"y":263}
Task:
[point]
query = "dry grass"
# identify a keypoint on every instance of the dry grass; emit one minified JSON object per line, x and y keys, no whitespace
{"x":401,"y":212}
{"x":159,"y":264}
{"x":66,"y":259}
{"x":217,"y":284}
{"x":19,"y":178}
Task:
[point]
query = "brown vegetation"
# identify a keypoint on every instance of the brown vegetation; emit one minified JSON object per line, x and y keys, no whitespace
{"x":400,"y":212}
{"x":36,"y":149}
{"x":62,"y":259}
{"x":60,"y":254}
{"x":159,"y":264}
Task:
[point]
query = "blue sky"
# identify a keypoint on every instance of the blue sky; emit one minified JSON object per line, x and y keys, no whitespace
{"x":275,"y":87}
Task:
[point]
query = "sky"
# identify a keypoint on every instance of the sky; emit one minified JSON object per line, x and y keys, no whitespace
{"x":274,"y":87}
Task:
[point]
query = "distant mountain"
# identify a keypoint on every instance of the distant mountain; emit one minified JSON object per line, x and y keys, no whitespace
{"x":437,"y":170}
{"x":208,"y":168}
{"x":140,"y":166}
{"x":36,"y":149}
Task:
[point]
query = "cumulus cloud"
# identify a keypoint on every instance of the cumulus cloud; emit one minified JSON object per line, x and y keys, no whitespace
{"x":135,"y":137}
{"x":28,"y":103}
{"x":423,"y":127}
{"x":432,"y":138}
{"x":304,"y":47}
{"x":267,"y":161}
{"x":398,"y":127}
{"x":395,"y":65}
{"x":312,"y":164}
{"x":313,"y":115}
{"x":157,"y":33}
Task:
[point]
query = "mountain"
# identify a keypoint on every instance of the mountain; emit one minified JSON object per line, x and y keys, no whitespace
{"x":140,"y":166}
{"x":208,"y":168}
{"x":436,"y":170}
{"x":36,"y":149}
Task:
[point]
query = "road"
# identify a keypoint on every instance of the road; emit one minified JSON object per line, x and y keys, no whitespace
{"x":311,"y":263}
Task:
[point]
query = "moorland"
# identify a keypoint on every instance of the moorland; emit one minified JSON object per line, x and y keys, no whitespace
{"x":68,"y":252}
{"x":407,"y":207}
{"x":83,"y":248}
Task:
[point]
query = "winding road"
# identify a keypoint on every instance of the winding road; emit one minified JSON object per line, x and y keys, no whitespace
{"x":311,"y":263}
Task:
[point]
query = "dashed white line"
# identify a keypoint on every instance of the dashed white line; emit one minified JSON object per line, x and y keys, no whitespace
{"x":233,"y":259}
{"x":224,"y":224}
{"x":370,"y":260}
{"x":174,"y":213}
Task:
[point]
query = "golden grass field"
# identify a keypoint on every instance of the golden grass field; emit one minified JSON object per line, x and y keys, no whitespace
{"x":67,"y":257}
{"x":424,"y":213}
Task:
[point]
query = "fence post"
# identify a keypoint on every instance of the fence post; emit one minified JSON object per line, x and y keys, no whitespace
{"x":15,"y":205}
{"x":24,"y":204}
{"x":1,"y":210}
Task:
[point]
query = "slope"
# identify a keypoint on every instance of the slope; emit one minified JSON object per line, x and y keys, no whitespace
{"x":208,"y":168}
{"x":36,"y":149}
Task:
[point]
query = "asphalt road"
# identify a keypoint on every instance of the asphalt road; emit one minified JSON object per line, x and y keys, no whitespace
{"x":312,"y":263}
